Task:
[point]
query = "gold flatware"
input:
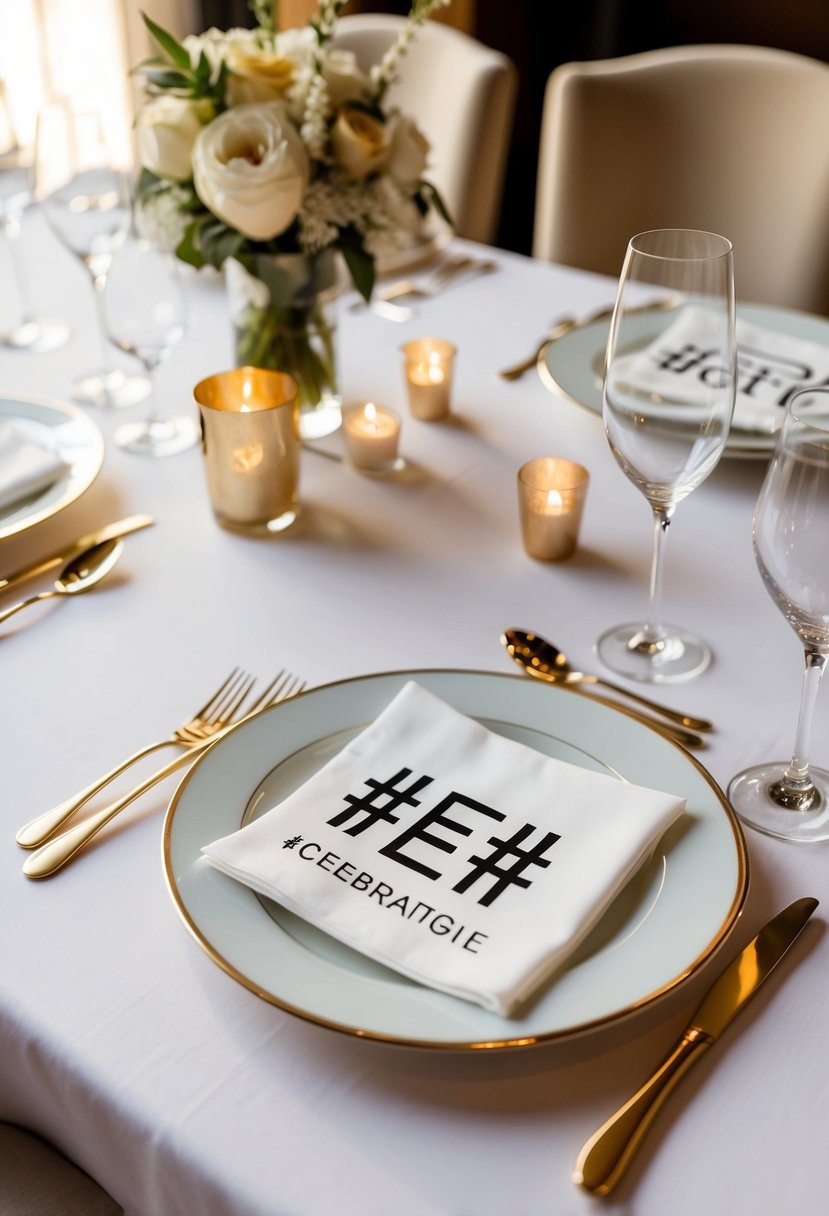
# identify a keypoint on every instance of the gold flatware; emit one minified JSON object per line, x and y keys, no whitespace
{"x":218,"y":712}
{"x":81,"y":574}
{"x":55,"y":854}
{"x":518,"y":369}
{"x":123,"y":527}
{"x":541,"y":659}
{"x":607,"y":1154}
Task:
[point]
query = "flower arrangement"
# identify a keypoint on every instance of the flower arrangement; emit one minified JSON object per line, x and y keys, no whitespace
{"x":259,"y":141}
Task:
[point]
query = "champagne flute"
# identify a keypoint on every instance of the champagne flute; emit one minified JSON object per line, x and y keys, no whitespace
{"x":37,"y":335}
{"x":145,"y":314}
{"x":86,"y":201}
{"x":669,"y":387}
{"x":791,"y":548}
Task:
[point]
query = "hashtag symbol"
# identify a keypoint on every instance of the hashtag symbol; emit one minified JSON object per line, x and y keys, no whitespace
{"x":384,"y":799}
{"x":510,"y":875}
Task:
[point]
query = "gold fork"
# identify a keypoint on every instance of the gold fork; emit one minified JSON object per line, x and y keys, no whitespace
{"x":55,"y":854}
{"x":216,"y":712}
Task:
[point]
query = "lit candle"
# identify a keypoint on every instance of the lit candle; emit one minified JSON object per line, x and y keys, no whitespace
{"x":551,"y":494}
{"x":429,"y":365}
{"x":372,"y":433}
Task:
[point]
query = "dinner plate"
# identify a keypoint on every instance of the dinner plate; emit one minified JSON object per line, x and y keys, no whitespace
{"x":664,"y":925}
{"x":67,"y":432}
{"x":573,"y":363}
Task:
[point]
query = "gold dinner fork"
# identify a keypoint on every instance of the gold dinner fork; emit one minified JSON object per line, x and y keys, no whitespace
{"x":216,"y":712}
{"x":55,"y":854}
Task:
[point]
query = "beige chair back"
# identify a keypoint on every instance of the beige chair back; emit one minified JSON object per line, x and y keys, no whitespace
{"x":462,"y":96}
{"x":731,"y":139}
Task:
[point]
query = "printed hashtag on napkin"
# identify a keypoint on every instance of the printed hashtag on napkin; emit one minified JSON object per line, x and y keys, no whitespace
{"x":685,"y":360}
{"x":466,"y":861}
{"x":26,"y":467}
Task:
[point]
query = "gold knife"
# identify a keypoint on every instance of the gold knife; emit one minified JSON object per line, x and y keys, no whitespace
{"x":608,"y":1153}
{"x":134,"y":523}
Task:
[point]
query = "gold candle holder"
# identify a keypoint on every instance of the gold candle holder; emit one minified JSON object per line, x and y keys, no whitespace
{"x":250,"y":440}
{"x":551,"y":494}
{"x":429,"y":364}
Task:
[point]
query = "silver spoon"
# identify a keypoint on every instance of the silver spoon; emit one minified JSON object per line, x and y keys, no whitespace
{"x":81,"y":574}
{"x":541,"y":659}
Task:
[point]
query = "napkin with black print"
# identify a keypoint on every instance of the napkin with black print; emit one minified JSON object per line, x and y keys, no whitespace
{"x":465,"y":860}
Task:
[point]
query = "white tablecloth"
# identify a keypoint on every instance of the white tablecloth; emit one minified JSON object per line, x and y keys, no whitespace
{"x":182,"y":1092}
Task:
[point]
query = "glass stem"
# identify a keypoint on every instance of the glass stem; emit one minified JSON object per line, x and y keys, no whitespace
{"x":151,"y":367}
{"x":12,"y":228}
{"x":654,"y":631}
{"x":796,"y":787}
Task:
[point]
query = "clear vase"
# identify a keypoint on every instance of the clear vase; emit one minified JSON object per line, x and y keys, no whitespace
{"x":285,"y":319}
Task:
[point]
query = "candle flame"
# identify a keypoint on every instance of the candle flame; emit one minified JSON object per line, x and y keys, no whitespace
{"x":370,"y":412}
{"x":554,"y":500}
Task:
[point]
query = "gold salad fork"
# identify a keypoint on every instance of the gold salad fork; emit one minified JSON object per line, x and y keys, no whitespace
{"x":216,"y":712}
{"x":55,"y":854}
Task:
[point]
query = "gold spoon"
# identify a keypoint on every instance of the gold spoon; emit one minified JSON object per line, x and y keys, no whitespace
{"x":81,"y":574}
{"x":540,"y":658}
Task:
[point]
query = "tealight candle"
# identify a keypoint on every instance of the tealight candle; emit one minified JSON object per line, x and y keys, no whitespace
{"x":371,"y":433}
{"x":429,"y":365}
{"x":551,"y":494}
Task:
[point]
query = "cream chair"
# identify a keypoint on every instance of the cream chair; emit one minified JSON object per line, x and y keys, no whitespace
{"x":462,"y":96}
{"x":732,"y":139}
{"x":37,"y":1180}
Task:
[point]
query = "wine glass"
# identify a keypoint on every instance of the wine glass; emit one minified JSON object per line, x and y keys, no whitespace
{"x":16,"y":195}
{"x":791,"y":547}
{"x":145,"y":314}
{"x":669,"y":387}
{"x":86,"y":201}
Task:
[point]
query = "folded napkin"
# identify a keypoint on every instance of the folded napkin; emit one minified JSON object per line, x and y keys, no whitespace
{"x":682,"y":363}
{"x":467,"y":861}
{"x":26,"y":467}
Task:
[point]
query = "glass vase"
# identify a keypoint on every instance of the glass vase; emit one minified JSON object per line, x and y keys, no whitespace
{"x":284,"y":316}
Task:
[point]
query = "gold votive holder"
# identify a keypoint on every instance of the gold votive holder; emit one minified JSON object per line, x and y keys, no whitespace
{"x":250,"y":440}
{"x":551,"y":495}
{"x":372,"y":434}
{"x":429,"y":365}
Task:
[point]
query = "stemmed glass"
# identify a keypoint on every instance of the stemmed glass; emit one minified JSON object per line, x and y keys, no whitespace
{"x":16,"y":196}
{"x":791,"y":547}
{"x":86,"y":201}
{"x":669,"y":388}
{"x":145,"y":314}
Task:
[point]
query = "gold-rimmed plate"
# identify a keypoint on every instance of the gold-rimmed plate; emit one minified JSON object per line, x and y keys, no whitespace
{"x":65,"y":430}
{"x":667,"y":922}
{"x":572,"y":364}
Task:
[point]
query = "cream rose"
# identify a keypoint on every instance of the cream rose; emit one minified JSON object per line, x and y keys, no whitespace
{"x":250,"y":167}
{"x":257,"y":73}
{"x":408,"y":152}
{"x":344,"y":79}
{"x":165,"y":130}
{"x":359,"y":142}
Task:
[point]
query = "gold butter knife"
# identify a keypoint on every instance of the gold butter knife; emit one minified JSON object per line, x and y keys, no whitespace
{"x":123,"y":527}
{"x":608,"y":1153}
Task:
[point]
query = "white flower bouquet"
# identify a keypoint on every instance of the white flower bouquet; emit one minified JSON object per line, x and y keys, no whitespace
{"x":257,"y":143}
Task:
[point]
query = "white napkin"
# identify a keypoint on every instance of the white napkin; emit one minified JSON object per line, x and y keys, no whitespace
{"x":771,"y":366}
{"x":480,"y":881}
{"x":26,"y":467}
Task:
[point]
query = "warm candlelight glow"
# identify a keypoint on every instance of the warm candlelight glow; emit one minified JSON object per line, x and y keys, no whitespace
{"x":428,"y":366}
{"x":371,"y":436}
{"x":551,"y":494}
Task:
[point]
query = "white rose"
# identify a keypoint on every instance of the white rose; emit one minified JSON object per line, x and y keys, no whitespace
{"x":408,"y":152}
{"x":165,"y":130}
{"x":257,"y":73}
{"x":344,"y":79}
{"x":251,"y":169}
{"x":359,"y":142}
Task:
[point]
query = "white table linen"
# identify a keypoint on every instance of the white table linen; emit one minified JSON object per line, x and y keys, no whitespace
{"x":182,"y":1092}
